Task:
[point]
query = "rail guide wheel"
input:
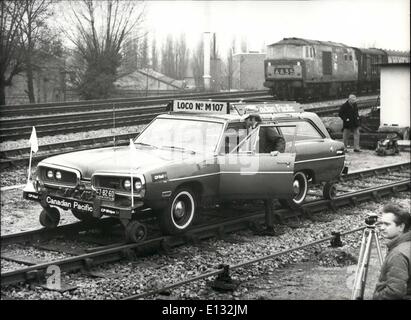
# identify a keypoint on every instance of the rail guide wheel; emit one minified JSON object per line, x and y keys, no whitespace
{"x":329,"y":191}
{"x":135,"y":232}
{"x":49,"y":217}
{"x":83,"y":216}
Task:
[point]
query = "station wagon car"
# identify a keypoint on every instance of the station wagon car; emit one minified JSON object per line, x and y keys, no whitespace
{"x":197,"y":153}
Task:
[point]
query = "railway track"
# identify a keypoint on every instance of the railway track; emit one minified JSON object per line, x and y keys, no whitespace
{"x":118,"y":104}
{"x":20,"y":156}
{"x":20,"y":128}
{"x":14,"y":157}
{"x":223,"y":280}
{"x":391,"y":180}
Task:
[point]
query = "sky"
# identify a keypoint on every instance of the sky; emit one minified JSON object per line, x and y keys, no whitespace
{"x":362,"y":23}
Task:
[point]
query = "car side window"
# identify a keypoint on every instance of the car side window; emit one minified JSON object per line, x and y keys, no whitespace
{"x":305,"y":131}
{"x":270,"y":139}
{"x":233,"y":135}
{"x":266,"y":139}
{"x":249,"y":142}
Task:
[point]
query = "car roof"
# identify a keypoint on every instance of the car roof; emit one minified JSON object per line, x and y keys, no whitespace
{"x":234,"y":117}
{"x":201,"y":117}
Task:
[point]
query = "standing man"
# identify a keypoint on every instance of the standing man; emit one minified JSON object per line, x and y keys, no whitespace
{"x":394,"y":282}
{"x":351,"y":121}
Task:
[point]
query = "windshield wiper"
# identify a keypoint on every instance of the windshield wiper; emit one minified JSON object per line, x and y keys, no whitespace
{"x":179,"y":148}
{"x":145,"y":144}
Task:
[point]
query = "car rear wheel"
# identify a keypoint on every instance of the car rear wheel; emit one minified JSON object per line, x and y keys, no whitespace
{"x":300,"y":189}
{"x":49,"y":218}
{"x":179,"y":214}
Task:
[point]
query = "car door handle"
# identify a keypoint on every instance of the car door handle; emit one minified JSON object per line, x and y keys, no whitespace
{"x":284,"y":162}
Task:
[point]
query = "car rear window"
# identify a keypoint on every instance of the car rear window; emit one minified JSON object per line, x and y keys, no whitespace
{"x":305,"y":131}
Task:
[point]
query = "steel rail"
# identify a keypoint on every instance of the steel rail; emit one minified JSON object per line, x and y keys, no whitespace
{"x":117,"y":253}
{"x":44,"y":234}
{"x":67,"y":117}
{"x":45,"y":129}
{"x":334,"y":108}
{"x":130,"y":116}
{"x":15,"y":157}
{"x":86,"y":105}
{"x":23,"y":125}
{"x":62,"y":118}
{"x":13,"y":153}
{"x":76,"y":126}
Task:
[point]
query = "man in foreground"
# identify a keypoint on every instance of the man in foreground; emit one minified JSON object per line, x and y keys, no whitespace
{"x":394,"y":282}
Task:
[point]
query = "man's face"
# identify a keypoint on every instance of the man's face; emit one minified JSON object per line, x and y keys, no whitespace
{"x":388,"y":228}
{"x":352,"y":99}
{"x":248,"y":122}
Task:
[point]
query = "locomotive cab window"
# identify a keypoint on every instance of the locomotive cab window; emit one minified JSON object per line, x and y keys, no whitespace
{"x":308,"y":52}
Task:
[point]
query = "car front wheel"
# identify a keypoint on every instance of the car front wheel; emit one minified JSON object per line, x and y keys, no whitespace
{"x":179,"y":214}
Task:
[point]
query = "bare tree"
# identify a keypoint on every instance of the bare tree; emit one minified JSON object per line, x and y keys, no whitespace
{"x":154,"y":55}
{"x":144,"y":54}
{"x":36,"y":12}
{"x":181,"y":57}
{"x":100,"y":29}
{"x":174,"y":57}
{"x":168,"y":65}
{"x":230,"y":65}
{"x":11,"y":59}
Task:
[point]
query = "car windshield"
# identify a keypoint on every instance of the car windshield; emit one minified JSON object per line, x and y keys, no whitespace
{"x":182,"y":135}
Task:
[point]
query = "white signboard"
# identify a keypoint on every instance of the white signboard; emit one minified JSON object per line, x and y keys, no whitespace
{"x":244,"y":108}
{"x":193,"y":106}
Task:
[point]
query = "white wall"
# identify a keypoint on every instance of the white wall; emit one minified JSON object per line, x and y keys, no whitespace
{"x":395,"y":95}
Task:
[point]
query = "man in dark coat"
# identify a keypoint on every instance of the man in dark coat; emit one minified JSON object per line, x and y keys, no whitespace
{"x":351,"y":121}
{"x":394,"y":282}
{"x":269,"y":139}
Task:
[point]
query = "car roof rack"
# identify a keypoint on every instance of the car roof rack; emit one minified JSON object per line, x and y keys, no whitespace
{"x":266,"y":108}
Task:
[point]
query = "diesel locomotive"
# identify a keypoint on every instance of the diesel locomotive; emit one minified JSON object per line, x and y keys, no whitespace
{"x":301,"y":69}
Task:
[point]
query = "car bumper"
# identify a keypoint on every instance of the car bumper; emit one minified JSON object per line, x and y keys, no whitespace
{"x":95,"y":207}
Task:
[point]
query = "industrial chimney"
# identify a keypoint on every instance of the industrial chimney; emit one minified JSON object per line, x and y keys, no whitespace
{"x":207,"y":76}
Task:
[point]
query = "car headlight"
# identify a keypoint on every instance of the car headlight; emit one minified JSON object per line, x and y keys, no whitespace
{"x":138,"y":185}
{"x":127,"y":184}
{"x":50,"y":174}
{"x":61,"y":177}
{"x":58,"y":175}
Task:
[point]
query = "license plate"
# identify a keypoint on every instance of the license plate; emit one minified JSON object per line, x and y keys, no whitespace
{"x":105,"y":194}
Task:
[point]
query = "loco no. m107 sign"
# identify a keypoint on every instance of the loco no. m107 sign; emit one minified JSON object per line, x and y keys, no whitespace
{"x":194,"y":106}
